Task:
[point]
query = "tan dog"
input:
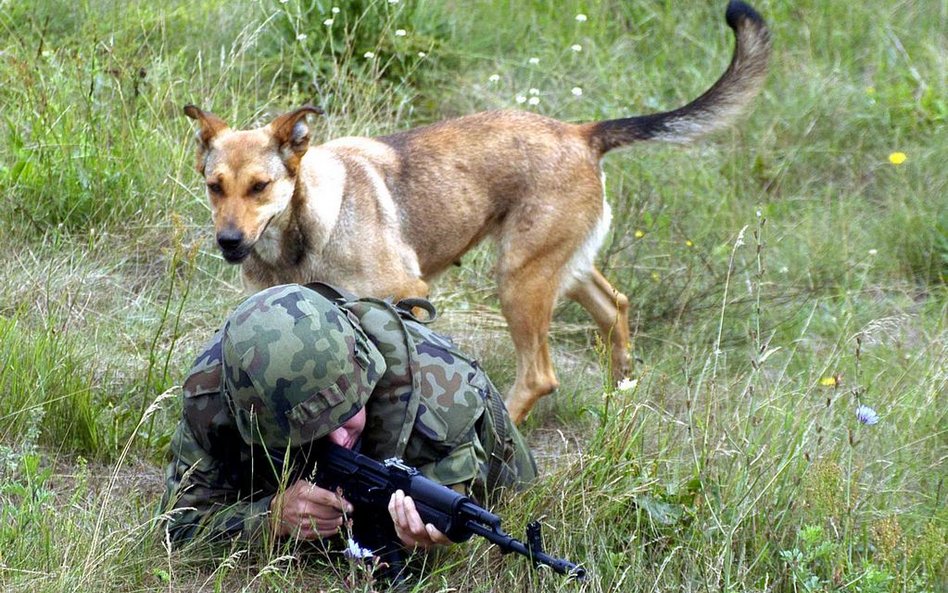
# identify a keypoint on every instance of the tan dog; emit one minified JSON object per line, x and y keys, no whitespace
{"x":382,"y":216}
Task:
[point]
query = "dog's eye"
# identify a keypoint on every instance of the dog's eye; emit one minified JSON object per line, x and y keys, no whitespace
{"x":215,"y":188}
{"x":259,"y":186}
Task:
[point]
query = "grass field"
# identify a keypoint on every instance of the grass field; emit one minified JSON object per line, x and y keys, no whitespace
{"x":781,"y":274}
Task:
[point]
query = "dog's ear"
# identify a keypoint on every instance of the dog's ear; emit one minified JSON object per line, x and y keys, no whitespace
{"x":211,"y":126}
{"x":292,"y":135}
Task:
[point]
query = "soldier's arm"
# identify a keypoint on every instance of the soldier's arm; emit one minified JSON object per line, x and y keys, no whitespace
{"x":201,"y":498}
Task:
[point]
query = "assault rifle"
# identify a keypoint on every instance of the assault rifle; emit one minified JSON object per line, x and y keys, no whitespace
{"x":369,"y":484}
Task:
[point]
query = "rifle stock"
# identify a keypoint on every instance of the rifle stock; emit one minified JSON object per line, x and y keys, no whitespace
{"x":364,"y":481}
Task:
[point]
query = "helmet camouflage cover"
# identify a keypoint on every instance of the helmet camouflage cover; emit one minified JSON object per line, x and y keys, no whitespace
{"x":295,"y":366}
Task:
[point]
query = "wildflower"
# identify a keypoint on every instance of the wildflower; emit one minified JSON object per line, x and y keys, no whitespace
{"x":580,"y":18}
{"x":829,"y":381}
{"x":422,"y":54}
{"x":393,"y":1}
{"x":400,"y":32}
{"x":656,"y":277}
{"x":328,"y":22}
{"x":334,"y":10}
{"x":301,"y":37}
{"x":627,"y":384}
{"x":639,"y":233}
{"x":354,"y":549}
{"x":534,"y":61}
{"x":689,"y":243}
{"x":368,"y":55}
{"x":534,"y":101}
{"x":784,"y":270}
{"x":897,"y":158}
{"x":576,"y":47}
{"x":577,"y":91}
{"x":521,"y":99}
{"x":866,"y":415}
{"x":873,"y":252}
{"x":534,"y":91}
{"x":494,"y":78}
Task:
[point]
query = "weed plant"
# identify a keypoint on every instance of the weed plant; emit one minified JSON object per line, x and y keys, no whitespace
{"x":784,"y":429}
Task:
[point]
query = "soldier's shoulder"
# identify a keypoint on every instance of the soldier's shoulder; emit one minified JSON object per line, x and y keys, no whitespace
{"x":205,"y":375}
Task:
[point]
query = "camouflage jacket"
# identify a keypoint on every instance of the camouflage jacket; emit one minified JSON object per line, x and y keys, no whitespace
{"x":434,"y":407}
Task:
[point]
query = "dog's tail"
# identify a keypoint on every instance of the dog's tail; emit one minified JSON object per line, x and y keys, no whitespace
{"x":713,"y":110}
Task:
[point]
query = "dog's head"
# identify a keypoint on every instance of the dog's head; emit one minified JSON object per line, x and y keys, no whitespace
{"x":250,"y":174}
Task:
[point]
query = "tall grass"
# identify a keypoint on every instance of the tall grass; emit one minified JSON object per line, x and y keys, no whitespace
{"x":781,"y":274}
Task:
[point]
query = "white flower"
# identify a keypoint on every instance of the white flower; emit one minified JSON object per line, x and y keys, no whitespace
{"x":328,"y":22}
{"x":534,"y":101}
{"x":534,"y":91}
{"x":534,"y":61}
{"x":354,"y":549}
{"x":400,"y":32}
{"x":577,"y":92}
{"x":422,"y":54}
{"x":576,"y":47}
{"x":334,"y":10}
{"x":393,"y":1}
{"x":627,"y":384}
{"x":873,"y":252}
{"x":368,"y":55}
{"x":580,"y":18}
{"x":784,"y":270}
{"x":301,"y":37}
{"x":521,"y":99}
{"x":494,"y":78}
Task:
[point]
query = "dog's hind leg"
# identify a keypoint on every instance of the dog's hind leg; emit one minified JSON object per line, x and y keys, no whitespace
{"x":527,"y":302}
{"x":610,"y":310}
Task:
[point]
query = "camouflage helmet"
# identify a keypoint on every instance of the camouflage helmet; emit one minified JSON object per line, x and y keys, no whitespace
{"x":295,"y":366}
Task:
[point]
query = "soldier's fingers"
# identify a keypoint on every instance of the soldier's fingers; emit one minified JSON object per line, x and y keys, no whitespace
{"x":436,"y":536}
{"x":319,"y":495}
{"x":415,"y":524}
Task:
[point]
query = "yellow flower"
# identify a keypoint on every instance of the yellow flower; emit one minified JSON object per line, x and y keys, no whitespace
{"x":829,"y":381}
{"x":656,"y":277}
{"x":897,"y":158}
{"x":689,"y":243}
{"x":639,"y":233}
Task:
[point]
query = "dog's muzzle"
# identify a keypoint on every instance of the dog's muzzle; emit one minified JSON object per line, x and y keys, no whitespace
{"x":232,"y":245}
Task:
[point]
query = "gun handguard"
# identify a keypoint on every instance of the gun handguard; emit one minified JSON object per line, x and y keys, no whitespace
{"x":365,"y":481}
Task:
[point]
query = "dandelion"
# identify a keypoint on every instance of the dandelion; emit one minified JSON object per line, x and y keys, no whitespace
{"x":328,"y":22}
{"x":577,"y":91}
{"x":576,"y":47}
{"x":534,"y":91}
{"x":534,"y":61}
{"x":301,"y":37}
{"x":580,"y":18}
{"x":627,"y":384}
{"x":866,"y":415}
{"x":400,"y":32}
{"x":897,"y":158}
{"x":368,"y":55}
{"x":829,"y":381}
{"x":494,"y":78}
{"x":534,"y":101}
{"x":639,"y":233}
{"x":520,"y":99}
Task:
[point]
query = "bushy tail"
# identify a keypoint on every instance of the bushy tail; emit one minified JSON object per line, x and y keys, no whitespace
{"x":713,"y":110}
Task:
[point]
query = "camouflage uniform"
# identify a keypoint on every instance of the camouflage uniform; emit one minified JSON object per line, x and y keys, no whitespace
{"x":319,"y":359}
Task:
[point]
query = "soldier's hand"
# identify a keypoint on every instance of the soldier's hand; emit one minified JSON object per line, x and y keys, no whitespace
{"x":308,"y":511}
{"x":414,"y":533}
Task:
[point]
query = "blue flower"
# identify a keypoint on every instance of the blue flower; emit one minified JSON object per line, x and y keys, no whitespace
{"x":866,"y":415}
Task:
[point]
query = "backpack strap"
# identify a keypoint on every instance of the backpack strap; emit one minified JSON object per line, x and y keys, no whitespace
{"x":332,"y":292}
{"x":500,"y":453}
